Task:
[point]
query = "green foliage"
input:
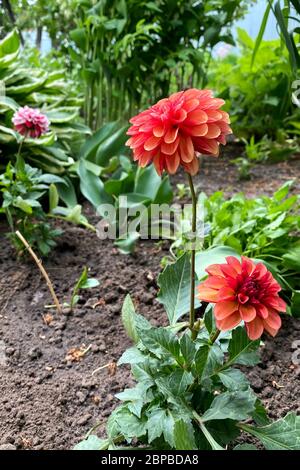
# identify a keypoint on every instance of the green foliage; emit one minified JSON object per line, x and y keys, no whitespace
{"x":84,"y":282}
{"x":174,"y":405}
{"x":258,"y":95}
{"x":125,"y":53}
{"x":22,"y":188}
{"x":22,"y":84}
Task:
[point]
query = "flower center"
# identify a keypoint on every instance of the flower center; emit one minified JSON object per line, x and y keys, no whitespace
{"x":250,"y":288}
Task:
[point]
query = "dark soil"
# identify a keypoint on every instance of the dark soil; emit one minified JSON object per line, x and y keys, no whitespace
{"x":48,"y":400}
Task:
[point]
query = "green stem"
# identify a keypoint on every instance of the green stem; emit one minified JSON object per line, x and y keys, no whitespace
{"x":193,"y":253}
{"x":214,"y":336}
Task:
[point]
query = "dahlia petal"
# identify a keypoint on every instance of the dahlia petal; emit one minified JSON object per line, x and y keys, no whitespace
{"x":273,"y":332}
{"x":138,"y":140}
{"x":171,"y":135}
{"x":213,"y":131}
{"x":213,"y":115}
{"x":243,"y":298}
{"x":262,"y":311}
{"x":225,"y":116}
{"x":151,"y":143}
{"x":169,"y":149}
{"x":260,"y":271}
{"x":234,"y":263}
{"x":158,"y":162}
{"x":214,"y":103}
{"x":247,"y":312}
{"x":226,"y":294}
{"x":228,"y":270}
{"x":180,"y":116}
{"x":191,"y":104}
{"x":172,"y":162}
{"x":206,"y":294}
{"x":248,"y":265}
{"x":186,"y":149}
{"x":198,"y":131}
{"x":216,"y":282}
{"x":224,"y":309}
{"x":273,"y":319}
{"x":275,"y":302}
{"x":206,"y":146}
{"x":192,"y":167}
{"x":255,"y":328}
{"x":158,"y":131}
{"x":214,"y":270}
{"x":229,"y":322}
{"x":145,"y":158}
{"x":196,"y":117}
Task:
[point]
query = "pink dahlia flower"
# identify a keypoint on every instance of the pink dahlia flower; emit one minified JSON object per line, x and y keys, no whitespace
{"x":30,"y":122}
{"x":243,"y":291}
{"x":177,"y":129}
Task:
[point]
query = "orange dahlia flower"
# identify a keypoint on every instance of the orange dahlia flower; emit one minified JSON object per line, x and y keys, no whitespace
{"x":243,"y":291}
{"x":176,"y":129}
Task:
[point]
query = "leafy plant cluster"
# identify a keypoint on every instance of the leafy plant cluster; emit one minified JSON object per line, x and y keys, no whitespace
{"x":125,"y":53}
{"x":51,"y":92}
{"x":22,"y":187}
{"x":189,"y":395}
{"x":265,"y":228}
{"x":259,"y":93}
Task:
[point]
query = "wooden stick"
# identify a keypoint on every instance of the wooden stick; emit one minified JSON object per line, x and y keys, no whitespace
{"x":42,"y":269}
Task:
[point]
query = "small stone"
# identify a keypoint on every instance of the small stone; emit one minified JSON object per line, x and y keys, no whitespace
{"x":83,"y":420}
{"x":7,"y":447}
{"x":81,"y":397}
{"x":111,"y":297}
{"x":35,"y":353}
{"x":102,"y":347}
{"x":10,"y":351}
{"x":147,"y":298}
{"x":95,"y":348}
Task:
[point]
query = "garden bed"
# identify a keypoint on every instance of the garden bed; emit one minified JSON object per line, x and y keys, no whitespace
{"x":49,"y":400}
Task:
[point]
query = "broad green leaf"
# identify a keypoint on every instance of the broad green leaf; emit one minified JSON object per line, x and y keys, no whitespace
{"x":53,"y":197}
{"x":295,"y":304}
{"x":174,"y":283}
{"x":156,"y":423}
{"x":236,"y":405}
{"x":92,"y":443}
{"x":241,"y":349}
{"x":126,"y":246}
{"x":124,"y":422}
{"x":92,"y":187}
{"x":187,"y":347}
{"x":179,"y":381}
{"x":160,"y":341}
{"x":128,"y":318}
{"x":283,"y":434}
{"x":184,"y":435}
{"x":132,"y":356}
{"x":291,"y":259}
{"x":234,"y":379}
{"x":90,"y":283}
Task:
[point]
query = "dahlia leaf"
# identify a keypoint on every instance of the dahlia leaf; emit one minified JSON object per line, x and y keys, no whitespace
{"x":174,"y":283}
{"x":241,"y":349}
{"x":236,"y":405}
{"x":128,"y":318}
{"x":283,"y":434}
{"x":184,"y":435}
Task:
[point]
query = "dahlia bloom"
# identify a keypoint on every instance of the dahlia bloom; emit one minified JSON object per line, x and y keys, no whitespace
{"x":30,"y":122}
{"x":177,"y":129}
{"x":243,"y":291}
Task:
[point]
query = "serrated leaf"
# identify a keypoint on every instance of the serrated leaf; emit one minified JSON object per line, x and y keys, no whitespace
{"x":242,"y":350}
{"x":92,"y":443}
{"x":131,"y":356}
{"x":184,"y":437}
{"x":160,"y":341}
{"x":187,"y":347}
{"x":179,"y":381}
{"x":129,"y":318}
{"x":174,"y":283}
{"x":156,"y":423}
{"x":283,"y":434}
{"x":234,"y":379}
{"x":231,"y":405}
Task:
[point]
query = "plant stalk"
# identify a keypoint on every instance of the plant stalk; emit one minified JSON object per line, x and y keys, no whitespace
{"x":193,"y":253}
{"x":42,"y":269}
